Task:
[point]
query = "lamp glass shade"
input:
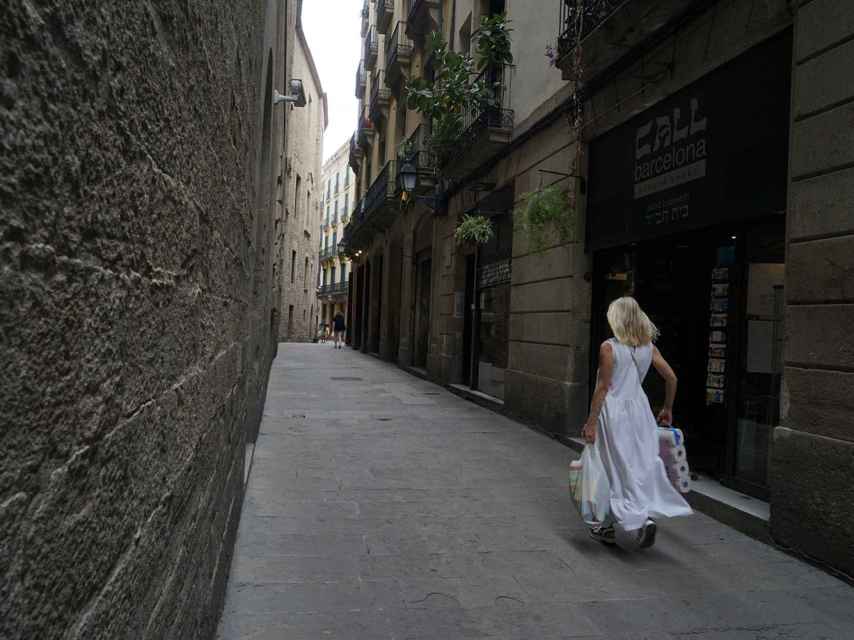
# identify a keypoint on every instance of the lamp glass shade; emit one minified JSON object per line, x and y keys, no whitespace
{"x":408,"y":176}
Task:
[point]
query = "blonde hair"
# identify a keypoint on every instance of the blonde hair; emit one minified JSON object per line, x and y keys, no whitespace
{"x":629,"y":323}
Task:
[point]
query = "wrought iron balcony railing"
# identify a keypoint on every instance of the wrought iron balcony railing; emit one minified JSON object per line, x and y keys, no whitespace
{"x":420,"y":19}
{"x":356,"y":155}
{"x":361,"y":80}
{"x":579,"y":18}
{"x":333,"y":289}
{"x":380,"y":95}
{"x":366,"y":14}
{"x":371,"y":48}
{"x":493,"y":115}
{"x":416,"y":150}
{"x":398,"y":52}
{"x":365,"y":133}
{"x":383,"y":191}
{"x":329,"y":252}
{"x":385,"y":11}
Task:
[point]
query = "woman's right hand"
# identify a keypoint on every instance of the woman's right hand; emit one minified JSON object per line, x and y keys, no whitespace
{"x":588,"y":432}
{"x":665,"y":417}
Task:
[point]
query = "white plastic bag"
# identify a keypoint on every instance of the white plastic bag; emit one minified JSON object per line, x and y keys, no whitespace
{"x":595,"y":503}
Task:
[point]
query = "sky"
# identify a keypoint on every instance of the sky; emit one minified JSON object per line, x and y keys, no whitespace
{"x":332,"y":30}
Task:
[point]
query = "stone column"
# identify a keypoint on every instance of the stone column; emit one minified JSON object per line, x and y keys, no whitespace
{"x":812,"y":495}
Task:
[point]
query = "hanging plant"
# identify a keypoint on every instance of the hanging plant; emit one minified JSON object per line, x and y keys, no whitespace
{"x":547,"y":217}
{"x":474,"y":229}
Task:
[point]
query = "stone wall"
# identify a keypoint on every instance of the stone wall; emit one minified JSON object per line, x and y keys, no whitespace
{"x":813,"y":452}
{"x":302,"y":174}
{"x":138,"y":306}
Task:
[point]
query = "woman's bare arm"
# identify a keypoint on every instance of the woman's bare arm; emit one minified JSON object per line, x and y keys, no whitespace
{"x":603,"y":383}
{"x":665,"y":416}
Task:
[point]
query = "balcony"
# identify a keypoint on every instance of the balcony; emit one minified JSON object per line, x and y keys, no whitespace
{"x":333,"y":290}
{"x":416,"y":150}
{"x":356,"y":155}
{"x":380,"y":96}
{"x":365,"y":133}
{"x":377,"y":211}
{"x":613,"y":30}
{"x":371,"y":49}
{"x":328,"y":253}
{"x":385,"y":11}
{"x":366,"y":14}
{"x":361,"y":80}
{"x":398,"y":53}
{"x":484,"y":131}
{"x":423,"y":18}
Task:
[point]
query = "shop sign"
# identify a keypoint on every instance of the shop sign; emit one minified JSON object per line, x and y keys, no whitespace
{"x":714,"y":151}
{"x":494,"y":274}
{"x":671,"y":148}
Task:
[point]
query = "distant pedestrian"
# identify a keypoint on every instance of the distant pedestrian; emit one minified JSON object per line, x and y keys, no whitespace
{"x":340,"y":327}
{"x":323,"y":332}
{"x":624,"y":429}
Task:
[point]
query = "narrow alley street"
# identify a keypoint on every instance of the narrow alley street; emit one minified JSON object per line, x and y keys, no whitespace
{"x":380,"y":505}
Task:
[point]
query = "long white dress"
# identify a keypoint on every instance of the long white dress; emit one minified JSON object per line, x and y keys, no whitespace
{"x":627,"y":443}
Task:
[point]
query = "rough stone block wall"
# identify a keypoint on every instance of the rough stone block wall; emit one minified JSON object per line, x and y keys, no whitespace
{"x":813,"y":451}
{"x":135,"y":319}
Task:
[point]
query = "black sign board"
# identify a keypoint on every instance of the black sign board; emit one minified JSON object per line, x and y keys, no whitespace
{"x":715,"y":151}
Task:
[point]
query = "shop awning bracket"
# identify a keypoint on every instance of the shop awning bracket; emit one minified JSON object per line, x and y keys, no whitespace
{"x":582,"y":181}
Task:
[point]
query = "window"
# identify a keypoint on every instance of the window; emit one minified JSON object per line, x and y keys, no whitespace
{"x":296,"y":196}
{"x":343,"y":272}
{"x":293,"y":265}
{"x":337,"y":176}
{"x":332,"y":278}
{"x":346,"y":211}
{"x":290,"y":320}
{"x":307,"y":208}
{"x":325,"y":277}
{"x":305,"y":275}
{"x":346,"y":178}
{"x":335,"y":217}
{"x":334,"y":239}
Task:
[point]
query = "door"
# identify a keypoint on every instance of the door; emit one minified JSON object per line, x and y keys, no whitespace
{"x":468,"y":318}
{"x":422,"y":309}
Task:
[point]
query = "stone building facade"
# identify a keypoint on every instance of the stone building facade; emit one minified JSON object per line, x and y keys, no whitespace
{"x":304,"y":155}
{"x":666,"y":127}
{"x":140,"y":279}
{"x":339,"y":187}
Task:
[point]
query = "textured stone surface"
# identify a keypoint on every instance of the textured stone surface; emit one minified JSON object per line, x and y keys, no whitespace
{"x":381,"y":506}
{"x":810,"y":508}
{"x":135,"y":300}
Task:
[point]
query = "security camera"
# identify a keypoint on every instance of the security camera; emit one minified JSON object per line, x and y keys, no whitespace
{"x":296,"y":96}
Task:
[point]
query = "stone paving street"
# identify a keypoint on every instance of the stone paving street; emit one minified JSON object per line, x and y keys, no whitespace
{"x":380,"y":505}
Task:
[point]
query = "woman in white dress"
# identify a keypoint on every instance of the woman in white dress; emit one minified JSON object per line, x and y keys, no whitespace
{"x":623,"y":428}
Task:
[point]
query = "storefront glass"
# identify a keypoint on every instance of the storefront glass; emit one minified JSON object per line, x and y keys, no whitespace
{"x":686,"y":212}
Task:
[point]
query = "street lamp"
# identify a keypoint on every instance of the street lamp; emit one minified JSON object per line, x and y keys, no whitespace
{"x":408,"y":174}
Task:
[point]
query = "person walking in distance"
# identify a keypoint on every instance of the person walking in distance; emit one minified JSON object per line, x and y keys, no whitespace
{"x":623,"y":429}
{"x":339,"y":327}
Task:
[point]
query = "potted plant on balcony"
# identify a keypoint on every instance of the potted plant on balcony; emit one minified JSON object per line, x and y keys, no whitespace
{"x":474,"y":230}
{"x":460,"y":87}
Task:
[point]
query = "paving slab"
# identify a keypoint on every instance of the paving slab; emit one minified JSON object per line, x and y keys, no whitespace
{"x":382,"y":506}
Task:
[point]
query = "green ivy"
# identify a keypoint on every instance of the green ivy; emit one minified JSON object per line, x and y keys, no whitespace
{"x":474,"y":229}
{"x":544,"y":214}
